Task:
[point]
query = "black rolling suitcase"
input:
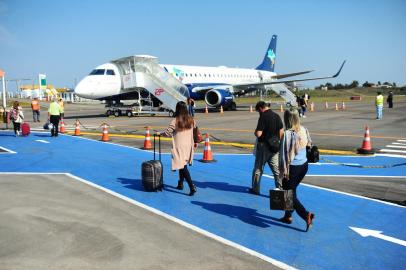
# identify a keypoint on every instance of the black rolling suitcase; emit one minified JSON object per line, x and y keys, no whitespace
{"x":152,"y":171}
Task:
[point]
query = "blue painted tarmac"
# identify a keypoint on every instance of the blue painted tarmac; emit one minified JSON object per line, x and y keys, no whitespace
{"x":223,"y":207}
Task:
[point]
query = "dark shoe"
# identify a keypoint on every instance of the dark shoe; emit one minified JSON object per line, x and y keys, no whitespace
{"x":192,"y":190}
{"x":252,"y":191}
{"x":180,"y":185}
{"x":309,"y":221}
{"x":285,"y":219}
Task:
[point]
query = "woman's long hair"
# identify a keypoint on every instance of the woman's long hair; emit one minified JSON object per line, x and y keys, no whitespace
{"x":183,"y":119}
{"x":16,"y":104}
{"x":291,"y":119}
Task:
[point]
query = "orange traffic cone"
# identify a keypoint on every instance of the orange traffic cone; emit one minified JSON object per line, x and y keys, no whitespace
{"x":105,"y":133}
{"x":147,"y":141}
{"x":366,"y":147}
{"x":207,"y":155}
{"x":221,"y":110}
{"x":281,"y":108}
{"x":251,"y":109}
{"x":77,"y":128}
{"x":326,"y":106}
{"x":62,"y":129}
{"x":343,"y":106}
{"x":312,"y":107}
{"x":206,"y":111}
{"x":336,"y":106}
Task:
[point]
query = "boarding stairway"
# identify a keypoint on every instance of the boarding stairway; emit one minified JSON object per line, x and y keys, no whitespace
{"x":285,"y":93}
{"x":143,"y":72}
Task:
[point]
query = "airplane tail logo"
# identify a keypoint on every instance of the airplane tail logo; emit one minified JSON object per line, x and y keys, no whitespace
{"x":268,"y":64}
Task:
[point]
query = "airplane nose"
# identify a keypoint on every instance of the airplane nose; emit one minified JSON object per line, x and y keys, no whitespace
{"x":80,"y":89}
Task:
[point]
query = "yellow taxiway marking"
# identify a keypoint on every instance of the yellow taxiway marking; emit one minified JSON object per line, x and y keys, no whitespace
{"x":361,"y":135}
{"x":241,"y":145}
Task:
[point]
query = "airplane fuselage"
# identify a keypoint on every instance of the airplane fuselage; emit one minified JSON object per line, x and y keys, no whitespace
{"x":106,"y":81}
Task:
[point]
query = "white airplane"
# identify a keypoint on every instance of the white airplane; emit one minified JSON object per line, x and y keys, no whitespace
{"x":216,"y":85}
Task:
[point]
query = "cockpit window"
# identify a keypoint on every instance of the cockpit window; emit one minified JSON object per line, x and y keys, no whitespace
{"x":97,"y":72}
{"x":110,"y":72}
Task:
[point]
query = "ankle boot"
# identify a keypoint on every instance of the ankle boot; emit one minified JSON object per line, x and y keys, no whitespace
{"x":192,"y":190}
{"x":180,"y":185}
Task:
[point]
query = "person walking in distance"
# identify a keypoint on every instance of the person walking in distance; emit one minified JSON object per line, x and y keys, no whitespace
{"x":181,"y":131}
{"x":16,"y":116}
{"x":35,"y":106}
{"x":62,"y":105}
{"x":303,"y":105}
{"x":191,"y":106}
{"x":268,"y":132}
{"x":293,"y":164}
{"x":379,"y":105}
{"x":389,"y":100}
{"x":54,"y":115}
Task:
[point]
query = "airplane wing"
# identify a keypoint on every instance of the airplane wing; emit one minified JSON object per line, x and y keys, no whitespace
{"x":281,"y":76}
{"x":289,"y":81}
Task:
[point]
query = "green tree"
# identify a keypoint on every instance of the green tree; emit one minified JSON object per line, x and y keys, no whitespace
{"x":354,"y":84}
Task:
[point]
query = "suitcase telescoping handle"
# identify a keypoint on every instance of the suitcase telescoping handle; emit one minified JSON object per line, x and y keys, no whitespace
{"x":159,"y":143}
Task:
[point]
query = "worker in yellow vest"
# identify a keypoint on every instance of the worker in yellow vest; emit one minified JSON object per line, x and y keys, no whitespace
{"x":379,"y":106}
{"x":62,"y":105}
{"x":54,"y":115}
{"x":35,"y":106}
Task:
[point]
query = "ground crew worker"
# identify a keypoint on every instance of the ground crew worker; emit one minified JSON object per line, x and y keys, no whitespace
{"x":389,"y":100}
{"x":35,"y":106}
{"x":62,"y":105}
{"x":54,"y":115}
{"x":379,"y":106}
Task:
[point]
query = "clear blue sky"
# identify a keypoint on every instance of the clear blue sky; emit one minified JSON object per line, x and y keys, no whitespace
{"x":66,"y":39}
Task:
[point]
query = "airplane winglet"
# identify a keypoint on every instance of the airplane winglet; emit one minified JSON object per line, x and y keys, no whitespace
{"x":338,"y":73}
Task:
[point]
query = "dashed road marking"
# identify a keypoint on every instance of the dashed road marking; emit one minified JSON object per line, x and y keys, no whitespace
{"x":42,"y":141}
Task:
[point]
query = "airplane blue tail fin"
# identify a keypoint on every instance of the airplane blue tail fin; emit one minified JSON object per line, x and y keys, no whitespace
{"x":268,"y":64}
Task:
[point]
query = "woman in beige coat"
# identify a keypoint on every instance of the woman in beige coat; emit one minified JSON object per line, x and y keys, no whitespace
{"x":181,"y":131}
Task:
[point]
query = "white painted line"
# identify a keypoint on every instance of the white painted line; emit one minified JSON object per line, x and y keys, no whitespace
{"x":393,"y":151}
{"x":27,"y":173}
{"x":350,"y":194}
{"x":401,"y":140}
{"x":396,"y":146}
{"x":346,"y":164}
{"x":353,"y":195}
{"x":188,"y":225}
{"x":390,"y":155}
{"x":361,"y":176}
{"x":8,"y":150}
{"x":398,"y":143}
{"x":42,"y":141}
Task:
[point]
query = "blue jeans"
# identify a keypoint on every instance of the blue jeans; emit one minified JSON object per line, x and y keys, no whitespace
{"x":262,"y":156}
{"x":379,"y":112}
{"x":296,"y":175}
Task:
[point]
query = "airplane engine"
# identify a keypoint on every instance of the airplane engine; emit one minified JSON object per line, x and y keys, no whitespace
{"x":220,"y":97}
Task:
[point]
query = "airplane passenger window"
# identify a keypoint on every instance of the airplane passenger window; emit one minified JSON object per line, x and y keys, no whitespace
{"x":97,"y":72}
{"x":110,"y":72}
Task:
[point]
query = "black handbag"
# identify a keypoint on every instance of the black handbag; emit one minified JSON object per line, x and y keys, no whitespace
{"x":281,"y":199}
{"x":312,"y":151}
{"x":312,"y":154}
{"x":273,"y":144}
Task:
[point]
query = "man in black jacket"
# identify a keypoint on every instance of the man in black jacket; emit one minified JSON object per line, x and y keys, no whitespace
{"x":268,"y":132}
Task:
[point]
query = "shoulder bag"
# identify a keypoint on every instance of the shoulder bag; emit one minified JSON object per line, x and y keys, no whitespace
{"x":197,"y":136}
{"x":312,"y":151}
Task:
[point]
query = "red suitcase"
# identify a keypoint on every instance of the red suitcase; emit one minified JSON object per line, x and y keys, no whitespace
{"x":25,"y":129}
